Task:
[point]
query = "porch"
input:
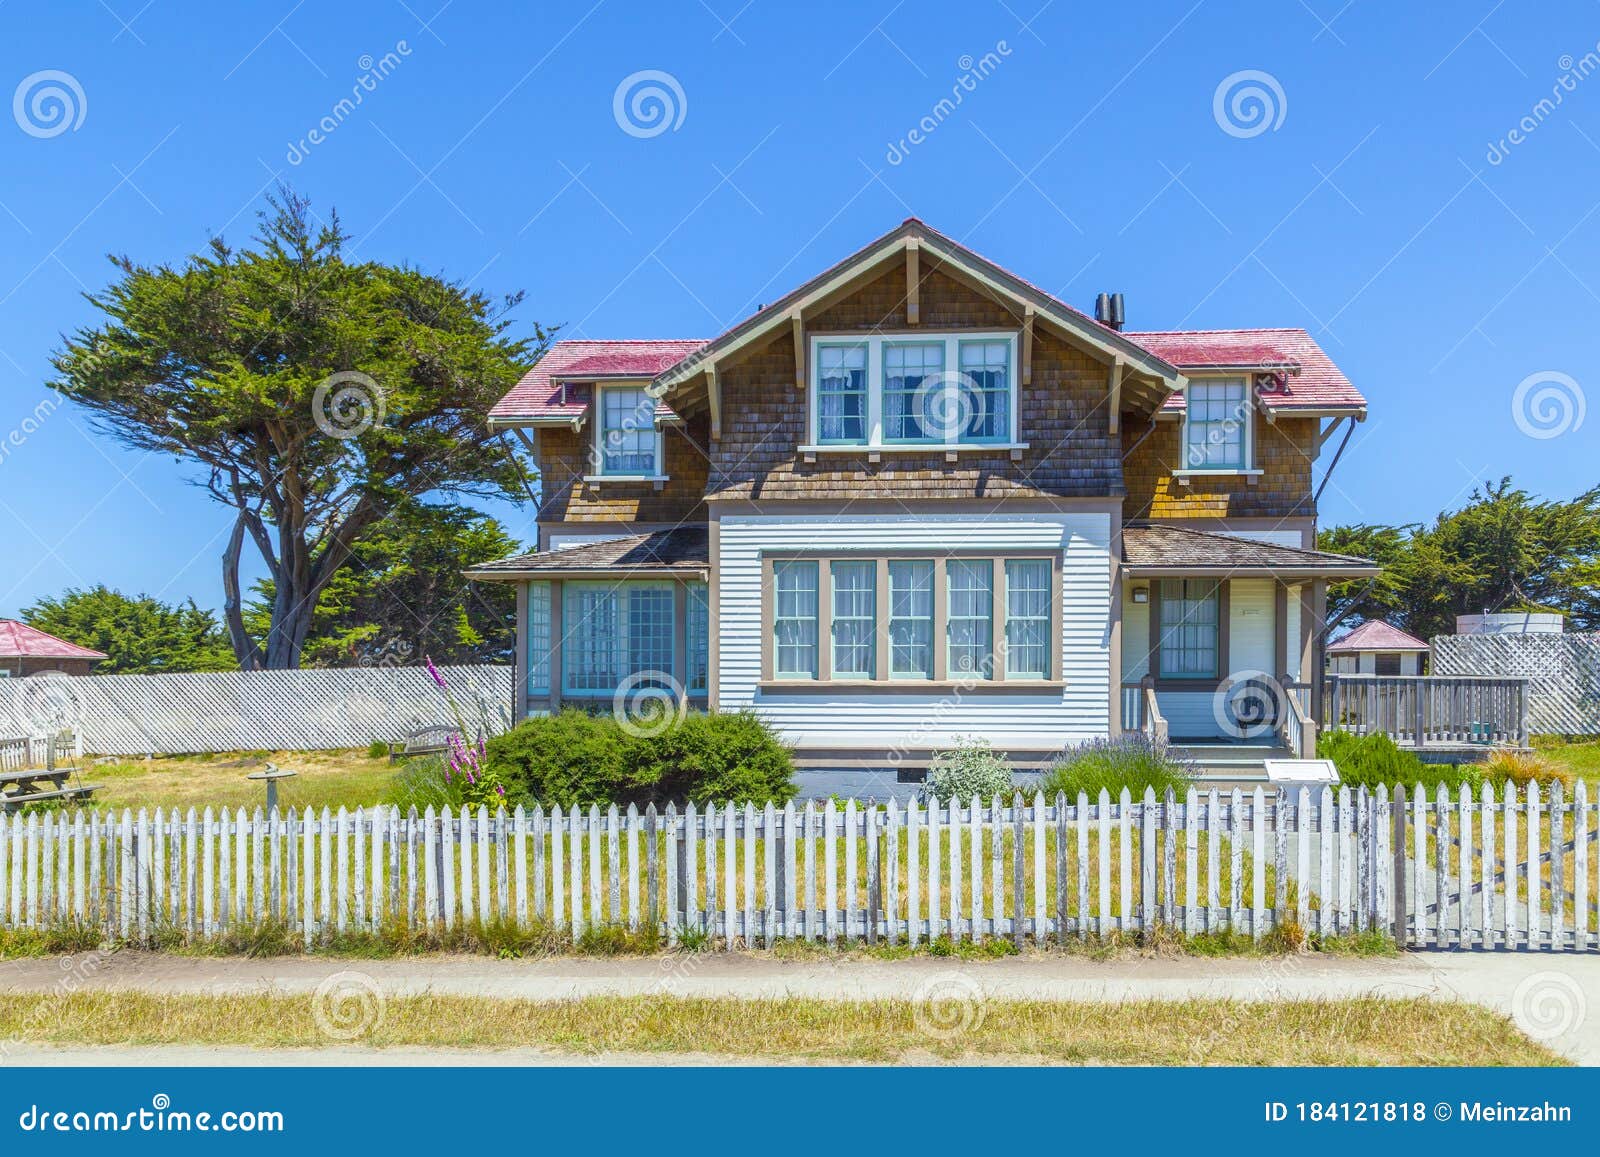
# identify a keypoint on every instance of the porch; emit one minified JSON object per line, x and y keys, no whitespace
{"x":1437,"y":716}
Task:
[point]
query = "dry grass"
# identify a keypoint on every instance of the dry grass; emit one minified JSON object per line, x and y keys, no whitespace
{"x":1347,"y":1032}
{"x":326,"y":779}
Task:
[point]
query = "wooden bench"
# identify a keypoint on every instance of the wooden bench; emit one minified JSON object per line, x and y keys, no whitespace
{"x":431,"y":740}
{"x":29,"y":786}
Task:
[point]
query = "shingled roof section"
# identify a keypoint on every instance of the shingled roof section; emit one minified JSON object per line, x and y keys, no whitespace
{"x":1155,"y":549}
{"x":539,"y":396}
{"x":1375,"y":635}
{"x":686,"y":549}
{"x":1311,"y":380}
{"x":20,"y":641}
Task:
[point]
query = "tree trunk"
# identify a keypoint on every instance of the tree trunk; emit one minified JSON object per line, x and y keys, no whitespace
{"x":245,"y":651}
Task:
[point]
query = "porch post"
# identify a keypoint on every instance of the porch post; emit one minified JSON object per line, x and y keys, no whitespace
{"x":1316,"y":644}
{"x":1280,"y":629}
{"x":519,"y":668}
{"x":1114,"y":631}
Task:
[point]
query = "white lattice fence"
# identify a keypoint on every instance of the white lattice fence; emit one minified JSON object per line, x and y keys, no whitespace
{"x":1563,"y":670}
{"x":255,"y":710}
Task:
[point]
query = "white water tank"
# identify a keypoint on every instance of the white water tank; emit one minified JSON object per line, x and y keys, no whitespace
{"x":1511,"y":623}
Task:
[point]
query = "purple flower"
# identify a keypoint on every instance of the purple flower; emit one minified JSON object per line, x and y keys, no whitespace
{"x":434,"y":671}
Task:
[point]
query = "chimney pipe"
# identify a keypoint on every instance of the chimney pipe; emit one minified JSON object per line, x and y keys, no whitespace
{"x":1108,"y":310}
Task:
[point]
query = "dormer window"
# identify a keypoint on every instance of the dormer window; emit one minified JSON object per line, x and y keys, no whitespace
{"x":1216,"y":426}
{"x":627,"y":438}
{"x":908,"y":392}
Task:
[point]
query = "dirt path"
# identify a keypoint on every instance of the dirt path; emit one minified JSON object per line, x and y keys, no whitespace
{"x":1555,"y":998}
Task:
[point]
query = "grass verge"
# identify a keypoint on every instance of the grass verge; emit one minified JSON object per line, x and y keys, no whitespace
{"x":1345,"y":1032}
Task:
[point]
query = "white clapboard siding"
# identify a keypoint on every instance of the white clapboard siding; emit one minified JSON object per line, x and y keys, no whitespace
{"x":1482,"y":871}
{"x":1078,"y":711}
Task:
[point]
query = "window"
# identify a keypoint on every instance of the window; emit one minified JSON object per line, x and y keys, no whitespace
{"x":971,"y":616}
{"x":795,"y":619}
{"x":908,"y":391}
{"x":612,"y":631}
{"x":1190,"y":626}
{"x":854,"y":619}
{"x":985,"y":385}
{"x":1386,"y":663}
{"x":1028,"y":617}
{"x":913,"y":412}
{"x":1217,"y":425}
{"x":842,"y":393}
{"x":697,"y":638}
{"x":938,"y":620}
{"x":629,"y":443}
{"x":910,"y":620}
{"x":538,"y":638}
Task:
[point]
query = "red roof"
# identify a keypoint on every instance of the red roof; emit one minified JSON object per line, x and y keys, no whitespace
{"x":540,"y":394}
{"x":1311,"y":381}
{"x":1377,"y":636}
{"x":18,"y":640}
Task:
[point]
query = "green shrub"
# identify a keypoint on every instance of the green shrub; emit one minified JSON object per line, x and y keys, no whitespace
{"x":577,"y":759}
{"x":1521,"y":768}
{"x":1370,"y":760}
{"x":377,"y":749}
{"x":732,"y":758}
{"x":1134,"y":762}
{"x":970,"y":768}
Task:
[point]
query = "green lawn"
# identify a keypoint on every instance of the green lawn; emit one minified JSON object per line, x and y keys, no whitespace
{"x":1582,"y":759}
{"x":326,"y":778}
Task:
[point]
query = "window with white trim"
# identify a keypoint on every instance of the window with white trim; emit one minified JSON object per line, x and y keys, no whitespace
{"x":855,"y":616}
{"x":970,"y":631}
{"x":841,"y":393}
{"x":1216,"y":425}
{"x":627,"y":439}
{"x":912,"y":390}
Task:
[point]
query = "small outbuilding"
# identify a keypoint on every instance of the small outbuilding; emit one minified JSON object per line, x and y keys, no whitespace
{"x":1376,"y":648}
{"x":26,"y":650}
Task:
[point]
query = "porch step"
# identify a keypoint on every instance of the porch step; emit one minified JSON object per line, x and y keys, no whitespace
{"x":1231,"y":761}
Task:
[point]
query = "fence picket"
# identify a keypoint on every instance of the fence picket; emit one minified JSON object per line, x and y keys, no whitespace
{"x":1464,"y":907}
{"x":635,"y":921}
{"x":1061,"y":867}
{"x":790,"y":921}
{"x":849,"y":888}
{"x":1085,"y":910}
{"x":1580,"y":867}
{"x":1535,"y":827}
{"x":891,"y":864}
{"x":730,"y":891}
{"x":1558,"y":889}
{"x":1509,"y":859}
{"x":748,"y":932}
{"x":1441,"y":870}
{"x":1103,"y":886}
{"x":1191,"y":862}
{"x":975,"y":863}
{"x":596,"y":849}
{"x":955,"y":868}
{"x":935,"y":869}
{"x":1040,"y":899}
{"x":913,"y":872}
{"x":1302,"y":857}
{"x":769,"y":917}
{"x":1148,"y":847}
{"x":1258,"y":849}
{"x":613,"y":866}
{"x":1419,"y":833}
{"x":1125,"y":917}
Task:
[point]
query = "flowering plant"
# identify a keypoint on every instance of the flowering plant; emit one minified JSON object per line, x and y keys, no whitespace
{"x":464,"y":754}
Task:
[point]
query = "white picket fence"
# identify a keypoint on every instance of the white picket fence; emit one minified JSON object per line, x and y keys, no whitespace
{"x":301,"y":710}
{"x":1028,"y":870}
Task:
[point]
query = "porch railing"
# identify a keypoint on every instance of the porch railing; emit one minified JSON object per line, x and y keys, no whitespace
{"x":1141,"y":712}
{"x":1420,"y":711}
{"x":1299,"y":730}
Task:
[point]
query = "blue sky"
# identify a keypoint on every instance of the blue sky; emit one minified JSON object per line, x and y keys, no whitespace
{"x":1090,"y":157}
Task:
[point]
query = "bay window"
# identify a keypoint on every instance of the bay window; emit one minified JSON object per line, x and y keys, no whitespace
{"x":538,"y":621}
{"x":612,"y":631}
{"x":906,"y":391}
{"x":1191,"y":627}
{"x":697,"y":638}
{"x":974,"y":619}
{"x":1216,"y":425}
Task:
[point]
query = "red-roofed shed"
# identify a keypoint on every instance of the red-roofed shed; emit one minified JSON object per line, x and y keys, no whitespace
{"x":26,"y":650}
{"x":1376,"y":648}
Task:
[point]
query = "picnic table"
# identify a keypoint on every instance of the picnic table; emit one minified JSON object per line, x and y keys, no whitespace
{"x":36,"y":784}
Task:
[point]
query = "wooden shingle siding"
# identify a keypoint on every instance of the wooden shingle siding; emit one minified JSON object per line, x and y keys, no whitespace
{"x":566,"y":497}
{"x":1284,"y":451}
{"x":1061,"y":414}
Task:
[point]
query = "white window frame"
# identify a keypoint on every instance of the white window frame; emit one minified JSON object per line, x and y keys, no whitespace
{"x":875,"y":443}
{"x":1247,"y":435}
{"x":597,"y":442}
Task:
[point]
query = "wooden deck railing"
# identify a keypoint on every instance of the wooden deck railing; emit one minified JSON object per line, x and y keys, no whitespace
{"x":1420,"y":711}
{"x":1141,"y":712}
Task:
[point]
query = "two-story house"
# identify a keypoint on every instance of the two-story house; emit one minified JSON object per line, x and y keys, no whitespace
{"x":917,"y":499}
